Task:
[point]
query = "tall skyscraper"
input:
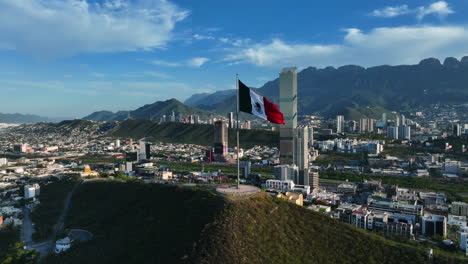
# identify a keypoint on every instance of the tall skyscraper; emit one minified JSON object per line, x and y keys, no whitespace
{"x":392,"y":132}
{"x":288,"y":106}
{"x":220,"y":141}
{"x":311,"y":136}
{"x":231,"y":119}
{"x":144,"y":150}
{"x":404,"y":132}
{"x":457,"y":130}
{"x":301,"y":148}
{"x":339,"y":123}
{"x":397,"y":121}
{"x":384,"y":120}
{"x":362,"y":125}
{"x":173,"y":117}
{"x":403,"y":120}
{"x":370,"y":125}
{"x":352,"y":125}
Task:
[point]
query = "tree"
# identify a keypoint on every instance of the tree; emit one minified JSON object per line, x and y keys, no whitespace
{"x":17,"y":255}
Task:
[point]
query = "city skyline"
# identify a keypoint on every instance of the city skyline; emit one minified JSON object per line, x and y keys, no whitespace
{"x":129,"y":58}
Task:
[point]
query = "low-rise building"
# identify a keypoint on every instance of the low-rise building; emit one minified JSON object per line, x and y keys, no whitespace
{"x":62,"y":245}
{"x":459,"y":208}
{"x":280,"y":185}
{"x":31,"y":191}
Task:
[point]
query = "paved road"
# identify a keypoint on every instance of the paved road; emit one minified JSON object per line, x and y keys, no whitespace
{"x":27,"y":228}
{"x":45,"y":247}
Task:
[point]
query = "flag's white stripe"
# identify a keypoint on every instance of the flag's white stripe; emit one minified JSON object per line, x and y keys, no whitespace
{"x":258,"y":107}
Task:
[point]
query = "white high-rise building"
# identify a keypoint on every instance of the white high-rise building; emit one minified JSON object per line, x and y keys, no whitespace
{"x":403,"y":120}
{"x":117,"y":143}
{"x":286,"y":172}
{"x":31,"y":191}
{"x":362,"y":125}
{"x":142,"y":150}
{"x":288,"y":106}
{"x":301,"y":148}
{"x":339,"y":123}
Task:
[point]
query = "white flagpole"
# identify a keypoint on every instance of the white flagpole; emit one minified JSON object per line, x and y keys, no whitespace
{"x":238,"y":149}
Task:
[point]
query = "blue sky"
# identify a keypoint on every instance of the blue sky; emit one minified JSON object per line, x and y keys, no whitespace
{"x":68,"y":58}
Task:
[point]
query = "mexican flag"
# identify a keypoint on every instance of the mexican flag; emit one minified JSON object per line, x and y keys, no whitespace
{"x":257,"y":105}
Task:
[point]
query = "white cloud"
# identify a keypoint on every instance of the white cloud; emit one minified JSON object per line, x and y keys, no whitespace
{"x":198,"y":62}
{"x":391,"y":45}
{"x":203,"y":37}
{"x":278,"y":52}
{"x":440,"y":9}
{"x":193,"y":62}
{"x":166,"y":63}
{"x":391,"y":11}
{"x":55,"y":28}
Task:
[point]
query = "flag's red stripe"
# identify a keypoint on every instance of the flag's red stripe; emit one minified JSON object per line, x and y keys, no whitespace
{"x":272,"y":112}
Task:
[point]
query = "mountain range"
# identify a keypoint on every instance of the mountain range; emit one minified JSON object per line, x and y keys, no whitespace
{"x":25,"y":118}
{"x":331,"y":91}
{"x":152,"y":111}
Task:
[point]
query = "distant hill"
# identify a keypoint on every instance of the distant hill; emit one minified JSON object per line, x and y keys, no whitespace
{"x":331,"y":91}
{"x":189,"y":133}
{"x":207,"y":99}
{"x":23,"y":118}
{"x":374,"y":112}
{"x":67,"y":128}
{"x":134,"y":222}
{"x":152,"y":111}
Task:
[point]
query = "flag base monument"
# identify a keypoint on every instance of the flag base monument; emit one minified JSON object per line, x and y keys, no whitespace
{"x":237,"y":190}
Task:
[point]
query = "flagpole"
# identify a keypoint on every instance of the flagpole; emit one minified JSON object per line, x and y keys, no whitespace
{"x":238,"y":149}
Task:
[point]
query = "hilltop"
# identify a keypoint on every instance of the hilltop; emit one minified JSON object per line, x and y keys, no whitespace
{"x":152,"y":111}
{"x":169,"y":224}
{"x":331,"y":91}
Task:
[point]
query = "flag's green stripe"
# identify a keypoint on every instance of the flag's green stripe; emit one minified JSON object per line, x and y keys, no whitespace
{"x":245,"y":104}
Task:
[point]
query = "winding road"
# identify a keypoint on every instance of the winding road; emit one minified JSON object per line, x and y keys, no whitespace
{"x":44,"y":247}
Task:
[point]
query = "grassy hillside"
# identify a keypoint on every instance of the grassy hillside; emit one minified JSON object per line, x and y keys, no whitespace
{"x":147,"y":223}
{"x":374,"y":112}
{"x":52,"y":198}
{"x":269,"y":230}
{"x":194,"y":134}
{"x":137,"y":223}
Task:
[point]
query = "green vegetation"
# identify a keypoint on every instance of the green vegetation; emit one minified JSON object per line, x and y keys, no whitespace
{"x":345,"y":158}
{"x":52,"y":199}
{"x":374,"y":112}
{"x":134,"y":222}
{"x":17,"y":255}
{"x":402,"y":151}
{"x":11,"y":250}
{"x":191,"y":134}
{"x":8,"y":237}
{"x":452,"y":189}
{"x":270,"y":230}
